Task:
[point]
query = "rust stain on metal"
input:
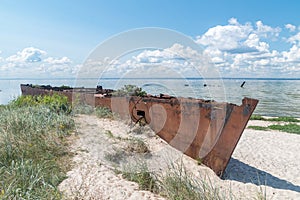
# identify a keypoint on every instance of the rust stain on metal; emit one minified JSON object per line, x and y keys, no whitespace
{"x":205,"y":130}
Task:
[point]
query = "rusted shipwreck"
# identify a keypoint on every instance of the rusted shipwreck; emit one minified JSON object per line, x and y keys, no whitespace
{"x":204,"y":130}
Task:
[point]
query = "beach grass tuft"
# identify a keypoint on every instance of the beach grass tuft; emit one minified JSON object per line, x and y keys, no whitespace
{"x":140,"y":174}
{"x":32,"y":144}
{"x":116,"y":156}
{"x":137,"y":145}
{"x":178,"y":184}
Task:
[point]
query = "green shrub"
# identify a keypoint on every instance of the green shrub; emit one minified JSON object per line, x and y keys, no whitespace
{"x":55,"y":102}
{"x":130,"y":90}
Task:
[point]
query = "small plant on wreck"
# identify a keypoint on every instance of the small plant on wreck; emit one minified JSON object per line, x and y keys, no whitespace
{"x":199,"y":161}
{"x":130,"y":90}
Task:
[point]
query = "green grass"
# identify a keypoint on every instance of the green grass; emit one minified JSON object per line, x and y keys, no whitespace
{"x":276,"y":119}
{"x":289,"y":128}
{"x":109,"y":134}
{"x":178,"y":184}
{"x":55,"y":102}
{"x":257,"y":117}
{"x":116,"y":156}
{"x":259,"y":128}
{"x":284,"y":119}
{"x":82,"y":109}
{"x":140,"y":174}
{"x":103,"y":112}
{"x":137,"y":145}
{"x":33,"y":151}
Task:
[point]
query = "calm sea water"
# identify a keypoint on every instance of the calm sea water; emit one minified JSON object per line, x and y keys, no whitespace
{"x":277,"y":97}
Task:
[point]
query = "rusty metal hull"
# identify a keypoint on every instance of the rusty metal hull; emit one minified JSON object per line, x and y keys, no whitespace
{"x":204,"y":130}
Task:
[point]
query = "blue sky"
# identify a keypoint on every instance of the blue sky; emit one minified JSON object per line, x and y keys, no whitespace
{"x":243,"y":38}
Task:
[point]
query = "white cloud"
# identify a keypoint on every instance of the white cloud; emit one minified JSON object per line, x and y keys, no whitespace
{"x":234,"y":49}
{"x":293,"y":55}
{"x":153,"y":56}
{"x":58,"y":66}
{"x":266,"y":31}
{"x":29,"y":55}
{"x":253,"y":41}
{"x":290,"y":27}
{"x":175,"y":61}
{"x":244,"y":50}
{"x":58,"y":61}
{"x":238,"y":38}
{"x":227,"y":37}
{"x":30,"y":62}
{"x":1,"y":59}
{"x":252,"y":58}
{"x":233,"y":21}
{"x":294,"y":39}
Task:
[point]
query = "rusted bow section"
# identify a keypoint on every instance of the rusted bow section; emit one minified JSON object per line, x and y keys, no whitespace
{"x":204,"y":130}
{"x":208,"y":131}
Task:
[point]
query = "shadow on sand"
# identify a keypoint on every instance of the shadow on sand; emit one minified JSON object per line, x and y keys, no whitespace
{"x":239,"y":171}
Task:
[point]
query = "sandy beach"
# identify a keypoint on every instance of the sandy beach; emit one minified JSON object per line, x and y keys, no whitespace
{"x":264,"y":163}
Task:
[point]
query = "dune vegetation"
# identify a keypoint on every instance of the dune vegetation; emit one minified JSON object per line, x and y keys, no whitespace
{"x":34,"y":154}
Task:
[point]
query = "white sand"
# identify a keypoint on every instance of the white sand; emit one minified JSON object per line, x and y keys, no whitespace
{"x":263,"y":163}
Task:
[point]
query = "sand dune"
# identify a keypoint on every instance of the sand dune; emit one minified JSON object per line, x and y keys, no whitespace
{"x":263,"y":163}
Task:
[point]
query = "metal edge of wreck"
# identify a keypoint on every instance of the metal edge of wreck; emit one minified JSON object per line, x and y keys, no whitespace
{"x":235,"y":119}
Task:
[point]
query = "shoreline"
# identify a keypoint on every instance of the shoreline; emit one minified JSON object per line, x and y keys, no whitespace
{"x":277,"y":98}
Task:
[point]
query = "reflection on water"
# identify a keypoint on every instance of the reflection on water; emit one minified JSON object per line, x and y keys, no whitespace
{"x":277,"y":97}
